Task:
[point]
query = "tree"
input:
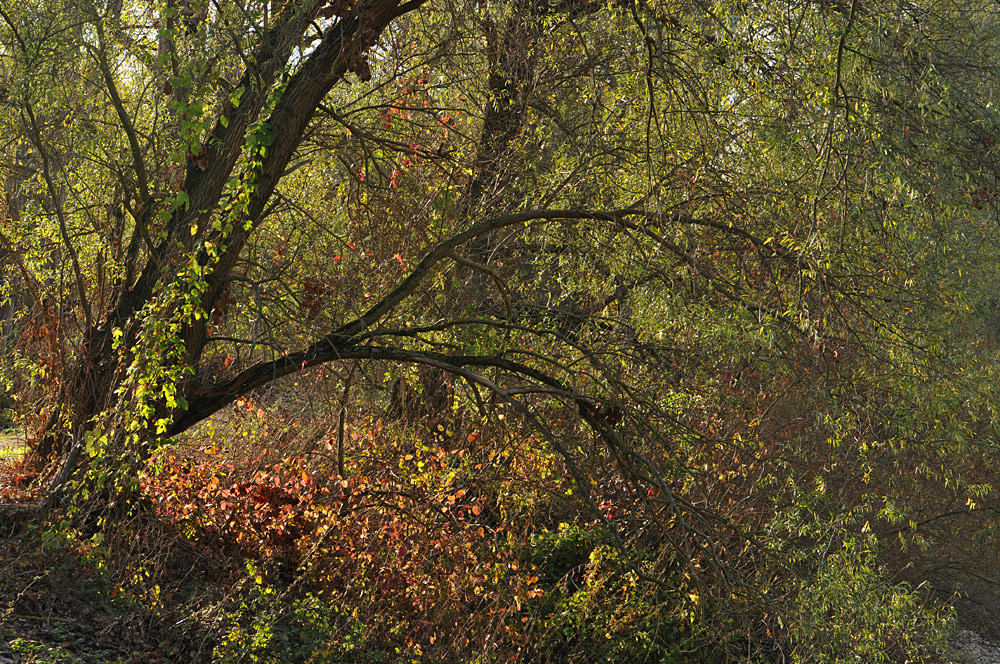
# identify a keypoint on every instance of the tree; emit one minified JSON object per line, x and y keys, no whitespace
{"x":639,"y":214}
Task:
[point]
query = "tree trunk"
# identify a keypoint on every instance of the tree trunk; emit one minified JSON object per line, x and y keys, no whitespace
{"x":100,"y":368}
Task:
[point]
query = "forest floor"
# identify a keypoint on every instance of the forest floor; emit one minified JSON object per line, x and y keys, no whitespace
{"x":12,"y":449}
{"x":55,"y":607}
{"x":54,"y":604}
{"x":12,"y":444}
{"x":59,"y":602}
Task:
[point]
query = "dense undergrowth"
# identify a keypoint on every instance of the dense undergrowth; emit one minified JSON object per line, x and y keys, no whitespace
{"x":457,"y":539}
{"x":510,"y":331}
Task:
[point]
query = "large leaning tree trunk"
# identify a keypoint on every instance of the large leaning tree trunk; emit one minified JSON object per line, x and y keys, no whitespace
{"x":189,"y":191}
{"x":225,"y":177}
{"x":187,"y":202}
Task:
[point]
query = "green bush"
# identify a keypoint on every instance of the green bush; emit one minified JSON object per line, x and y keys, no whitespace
{"x":557,"y":553}
{"x":850,"y":612}
{"x":613,"y":617}
{"x":268,"y":627}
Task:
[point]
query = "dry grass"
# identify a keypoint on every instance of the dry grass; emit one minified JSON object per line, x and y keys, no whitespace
{"x":13,"y":446}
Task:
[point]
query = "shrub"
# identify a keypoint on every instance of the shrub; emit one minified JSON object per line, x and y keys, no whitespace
{"x":850,"y":612}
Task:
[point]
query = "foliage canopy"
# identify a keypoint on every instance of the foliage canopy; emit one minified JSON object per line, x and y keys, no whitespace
{"x":725,"y":266}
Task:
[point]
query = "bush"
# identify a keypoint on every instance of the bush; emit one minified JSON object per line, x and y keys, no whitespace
{"x":850,"y":612}
{"x":614,"y":616}
{"x":268,"y":627}
{"x":557,"y":553}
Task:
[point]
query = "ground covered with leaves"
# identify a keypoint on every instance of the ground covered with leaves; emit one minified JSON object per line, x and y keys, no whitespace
{"x":443,"y":541}
{"x":436,"y":547}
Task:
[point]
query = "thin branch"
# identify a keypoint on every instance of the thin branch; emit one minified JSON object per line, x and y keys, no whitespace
{"x":36,"y":138}
{"x":138,"y":163}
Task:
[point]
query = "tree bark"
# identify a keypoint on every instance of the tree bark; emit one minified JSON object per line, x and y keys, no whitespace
{"x":98,"y":372}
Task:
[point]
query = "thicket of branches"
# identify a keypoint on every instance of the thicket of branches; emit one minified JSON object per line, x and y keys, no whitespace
{"x":688,"y":303}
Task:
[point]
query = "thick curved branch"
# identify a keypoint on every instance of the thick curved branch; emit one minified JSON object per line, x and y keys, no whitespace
{"x":342,"y":343}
